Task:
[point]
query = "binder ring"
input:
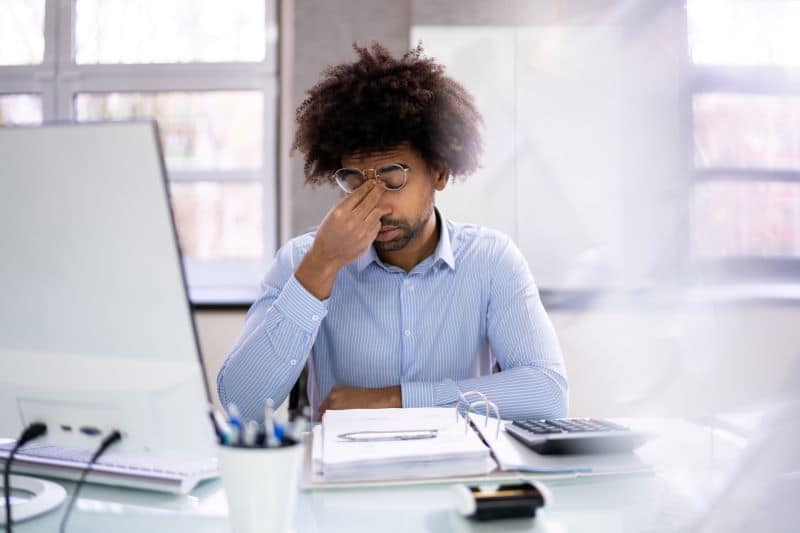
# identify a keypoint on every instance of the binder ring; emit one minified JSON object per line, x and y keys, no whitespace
{"x":488,"y":406}
{"x":462,"y":398}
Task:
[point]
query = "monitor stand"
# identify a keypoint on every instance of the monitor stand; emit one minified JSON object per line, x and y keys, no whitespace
{"x":46,"y":496}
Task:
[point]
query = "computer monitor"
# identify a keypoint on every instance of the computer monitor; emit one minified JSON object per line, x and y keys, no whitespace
{"x":96,"y":331}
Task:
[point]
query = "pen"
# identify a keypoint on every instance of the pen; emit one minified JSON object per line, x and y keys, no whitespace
{"x":269,"y":424}
{"x":249,"y":434}
{"x":297,"y":427}
{"x":215,"y":424}
{"x":235,"y":422}
{"x":221,"y":427}
{"x":261,"y":438}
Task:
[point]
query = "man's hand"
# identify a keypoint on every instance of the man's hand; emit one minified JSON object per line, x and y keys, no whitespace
{"x":348,"y":229}
{"x":342,"y":397}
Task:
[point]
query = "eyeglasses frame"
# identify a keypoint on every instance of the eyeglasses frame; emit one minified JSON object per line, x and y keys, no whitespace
{"x":364,"y":173}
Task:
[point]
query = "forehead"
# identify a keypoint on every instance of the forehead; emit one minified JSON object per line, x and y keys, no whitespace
{"x":399,"y":154}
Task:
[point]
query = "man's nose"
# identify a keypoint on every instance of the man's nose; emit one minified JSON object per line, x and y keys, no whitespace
{"x":384,"y":204}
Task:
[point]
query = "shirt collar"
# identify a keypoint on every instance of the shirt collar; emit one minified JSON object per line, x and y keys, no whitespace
{"x":443,"y":252}
{"x":366,"y":259}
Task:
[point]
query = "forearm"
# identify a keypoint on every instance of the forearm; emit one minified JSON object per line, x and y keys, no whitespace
{"x":520,"y":393}
{"x":272,"y":351}
{"x":257,"y":370}
{"x":317,"y":274}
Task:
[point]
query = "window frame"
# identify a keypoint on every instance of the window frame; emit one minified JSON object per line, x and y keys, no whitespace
{"x":767,"y":80}
{"x":59,"y":78}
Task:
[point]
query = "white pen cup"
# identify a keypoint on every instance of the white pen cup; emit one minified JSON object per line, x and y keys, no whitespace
{"x":260,"y":486}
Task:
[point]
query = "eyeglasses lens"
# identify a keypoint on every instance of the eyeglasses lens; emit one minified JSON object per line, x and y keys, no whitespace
{"x":392,"y":176}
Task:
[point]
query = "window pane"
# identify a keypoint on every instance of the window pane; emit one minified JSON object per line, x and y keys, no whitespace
{"x":21,"y":32}
{"x":171,"y":31}
{"x":219,"y":220}
{"x":747,"y":130}
{"x":20,"y":109}
{"x":740,"y":218}
{"x":199,"y":130}
{"x":744,"y":32}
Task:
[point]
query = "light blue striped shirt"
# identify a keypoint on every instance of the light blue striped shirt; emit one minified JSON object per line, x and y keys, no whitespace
{"x":435,"y":331}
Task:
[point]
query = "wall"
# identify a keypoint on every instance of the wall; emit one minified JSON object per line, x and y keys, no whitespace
{"x":217,"y":331}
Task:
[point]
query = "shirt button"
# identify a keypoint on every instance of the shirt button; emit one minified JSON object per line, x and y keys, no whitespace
{"x":293,"y":362}
{"x":315,"y":318}
{"x":407,"y":333}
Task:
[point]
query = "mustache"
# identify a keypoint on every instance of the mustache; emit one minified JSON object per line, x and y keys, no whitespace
{"x":395,"y":222}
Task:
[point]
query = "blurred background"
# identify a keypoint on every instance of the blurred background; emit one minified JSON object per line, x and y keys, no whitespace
{"x":645,"y":156}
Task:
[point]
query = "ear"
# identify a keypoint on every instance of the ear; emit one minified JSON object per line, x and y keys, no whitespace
{"x":440,"y":179}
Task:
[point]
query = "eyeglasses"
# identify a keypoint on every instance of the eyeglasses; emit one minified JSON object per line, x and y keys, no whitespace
{"x":393,"y":177}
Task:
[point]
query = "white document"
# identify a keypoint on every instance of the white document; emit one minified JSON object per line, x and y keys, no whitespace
{"x":455,"y":449}
{"x":456,"y":455}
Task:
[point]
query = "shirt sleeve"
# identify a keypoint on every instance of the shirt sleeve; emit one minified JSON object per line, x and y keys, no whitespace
{"x":279,"y":332}
{"x":533,"y":380}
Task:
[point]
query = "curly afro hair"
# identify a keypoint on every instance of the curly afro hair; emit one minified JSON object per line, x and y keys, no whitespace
{"x":378,"y":103}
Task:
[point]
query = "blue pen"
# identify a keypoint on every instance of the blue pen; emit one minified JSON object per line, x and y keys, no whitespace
{"x":222,"y":427}
{"x":235,"y":422}
{"x":269,"y":424}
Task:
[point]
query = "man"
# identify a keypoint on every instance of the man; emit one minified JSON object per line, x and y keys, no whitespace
{"x":389,"y":303}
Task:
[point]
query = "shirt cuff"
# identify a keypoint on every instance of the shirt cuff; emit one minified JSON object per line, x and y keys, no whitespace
{"x":300,"y":306}
{"x":429,"y":394}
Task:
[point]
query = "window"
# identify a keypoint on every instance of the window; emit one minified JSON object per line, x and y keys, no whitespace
{"x":746,"y":136}
{"x":22,"y":32}
{"x":19,"y":109}
{"x":206,"y":71}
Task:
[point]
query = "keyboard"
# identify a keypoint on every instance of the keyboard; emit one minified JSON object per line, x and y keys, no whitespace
{"x":148,"y":473}
{"x":575,"y":436}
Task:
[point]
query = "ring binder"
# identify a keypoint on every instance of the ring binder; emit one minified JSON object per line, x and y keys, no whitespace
{"x":451,"y":454}
{"x":488,"y":407}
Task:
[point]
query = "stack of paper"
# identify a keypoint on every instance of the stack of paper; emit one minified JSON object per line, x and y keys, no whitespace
{"x":454,"y":451}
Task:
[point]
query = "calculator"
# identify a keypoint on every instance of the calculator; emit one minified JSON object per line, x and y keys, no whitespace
{"x":563,"y":436}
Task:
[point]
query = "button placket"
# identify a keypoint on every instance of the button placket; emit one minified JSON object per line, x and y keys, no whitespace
{"x":404,"y":325}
